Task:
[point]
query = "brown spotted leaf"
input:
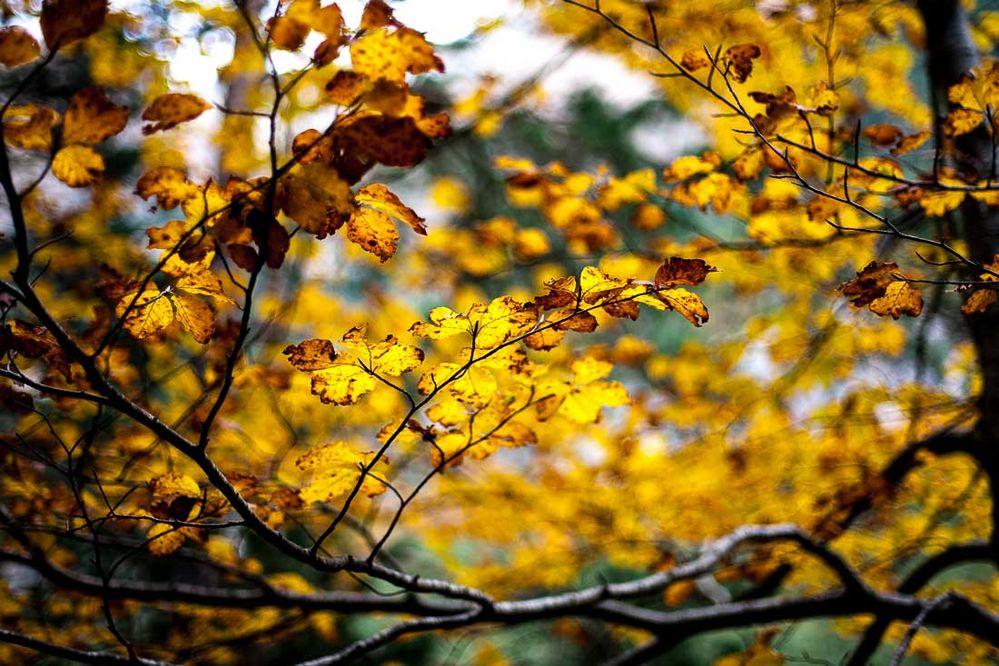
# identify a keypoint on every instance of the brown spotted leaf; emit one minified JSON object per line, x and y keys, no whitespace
{"x":310,"y":355}
{"x":677,"y":271}
{"x":374,"y":232}
{"x":740,"y":60}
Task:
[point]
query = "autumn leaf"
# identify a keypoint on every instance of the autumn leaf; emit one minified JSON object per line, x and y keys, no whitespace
{"x":169,"y":185}
{"x":78,"y":166}
{"x":153,"y":311}
{"x":899,"y":298}
{"x":379,"y":197}
{"x":29,"y":127}
{"x":342,"y":384}
{"x":92,"y":117}
{"x":164,"y":539}
{"x":342,"y":379}
{"x":317,"y":198}
{"x":287,"y":33}
{"x":336,"y":468}
{"x":66,"y":21}
{"x":740,"y":59}
{"x":309,"y":355}
{"x":870,"y":283}
{"x":17,"y":46}
{"x":694,"y":60}
{"x":36,"y":342}
{"x":374,"y":232}
{"x":171,"y":109}
{"x":383,"y":54}
{"x":676,"y":271}
{"x":979,"y":301}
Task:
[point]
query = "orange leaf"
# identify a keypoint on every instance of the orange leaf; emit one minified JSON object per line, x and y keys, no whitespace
{"x":171,"y":109}
{"x":92,"y":117}
{"x":17,"y":46}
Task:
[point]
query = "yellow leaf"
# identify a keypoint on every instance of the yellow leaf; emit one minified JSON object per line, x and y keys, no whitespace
{"x":381,"y":54}
{"x":685,"y":302}
{"x":899,"y":298}
{"x":346,"y":87}
{"x":29,"y":127}
{"x":444,"y":323}
{"x":171,"y":485}
{"x":195,"y":316}
{"x":316,"y":198}
{"x":202,"y":281}
{"x":92,"y":117}
{"x":171,"y":109}
{"x":690,"y":165}
{"x":336,"y":469}
{"x":78,"y":166}
{"x":164,"y":539}
{"x":169,"y":185}
{"x":66,"y":21}
{"x":151,"y":313}
{"x":938,"y":204}
{"x":17,"y":46}
{"x":342,"y":384}
{"x":379,"y":197}
{"x":979,"y":301}
{"x":386,"y":357}
{"x":962,"y":121}
{"x":531,"y":244}
{"x":374,"y":232}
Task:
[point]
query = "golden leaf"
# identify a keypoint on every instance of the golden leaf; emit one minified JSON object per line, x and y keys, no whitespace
{"x":171,"y":109}
{"x":899,"y":298}
{"x":29,"y":127}
{"x":342,"y":384}
{"x":336,"y":468}
{"x":381,"y":54}
{"x":92,"y":117}
{"x":164,"y":539}
{"x":979,"y":301}
{"x":169,"y":185}
{"x":195,"y":316}
{"x":17,"y":46}
{"x":151,"y":313}
{"x":374,"y":232}
{"x":346,"y":87}
{"x":78,"y":166}
{"x":316,"y":198}
{"x":961,"y":121}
